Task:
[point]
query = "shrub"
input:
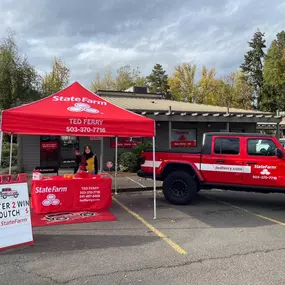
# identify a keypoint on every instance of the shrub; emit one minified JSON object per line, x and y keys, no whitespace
{"x":128,"y":162}
{"x":6,"y":154}
{"x":141,"y":147}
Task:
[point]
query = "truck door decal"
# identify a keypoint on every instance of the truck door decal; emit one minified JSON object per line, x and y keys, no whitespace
{"x":223,"y":168}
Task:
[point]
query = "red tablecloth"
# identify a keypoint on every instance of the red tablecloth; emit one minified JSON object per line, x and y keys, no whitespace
{"x":58,"y":194}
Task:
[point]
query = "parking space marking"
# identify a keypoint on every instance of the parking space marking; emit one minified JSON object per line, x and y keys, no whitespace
{"x":245,"y":210}
{"x":174,"y":245}
{"x":143,"y":186}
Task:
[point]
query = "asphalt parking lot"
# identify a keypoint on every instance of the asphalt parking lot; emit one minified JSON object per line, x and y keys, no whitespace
{"x":222,"y":238}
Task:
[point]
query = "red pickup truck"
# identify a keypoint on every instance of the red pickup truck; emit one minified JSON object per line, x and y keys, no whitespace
{"x":230,"y":161}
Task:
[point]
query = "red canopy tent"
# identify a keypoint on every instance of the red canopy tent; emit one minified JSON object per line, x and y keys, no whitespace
{"x":75,"y":111}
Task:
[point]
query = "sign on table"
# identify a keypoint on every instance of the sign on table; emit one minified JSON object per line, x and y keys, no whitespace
{"x":15,"y":216}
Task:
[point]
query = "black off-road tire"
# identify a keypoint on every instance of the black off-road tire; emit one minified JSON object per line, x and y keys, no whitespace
{"x":180,"y":188}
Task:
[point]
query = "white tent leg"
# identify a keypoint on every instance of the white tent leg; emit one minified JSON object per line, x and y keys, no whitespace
{"x":154,"y":178}
{"x":11,"y":150}
{"x":116,"y":165}
{"x":101,"y":155}
{"x":1,"y":145}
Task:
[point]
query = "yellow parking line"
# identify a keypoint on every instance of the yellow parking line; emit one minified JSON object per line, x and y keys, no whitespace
{"x":247,"y":211}
{"x":174,"y":245}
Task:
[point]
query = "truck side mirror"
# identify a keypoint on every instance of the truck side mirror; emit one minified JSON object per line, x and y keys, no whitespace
{"x":279,"y":153}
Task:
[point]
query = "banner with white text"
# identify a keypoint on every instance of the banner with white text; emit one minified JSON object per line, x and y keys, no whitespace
{"x":15,"y":216}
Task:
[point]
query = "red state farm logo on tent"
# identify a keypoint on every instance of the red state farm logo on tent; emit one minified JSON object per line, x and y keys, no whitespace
{"x":82,"y":107}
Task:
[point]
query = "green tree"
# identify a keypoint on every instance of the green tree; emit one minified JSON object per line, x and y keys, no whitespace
{"x":105,"y":83}
{"x":273,"y":92}
{"x":235,"y":91}
{"x":182,"y":83}
{"x":272,"y":97}
{"x":253,"y":65}
{"x":208,"y":87}
{"x":108,"y":81}
{"x":96,"y":83}
{"x":274,"y":65}
{"x":141,"y":81}
{"x":19,"y":82}
{"x":127,"y":77}
{"x":158,"y":80}
{"x":227,"y":92}
{"x":57,"y":79}
{"x":243,"y":91}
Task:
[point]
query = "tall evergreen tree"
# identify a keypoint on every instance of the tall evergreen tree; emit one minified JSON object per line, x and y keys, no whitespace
{"x":273,"y":92}
{"x":274,"y":65}
{"x":158,"y":80}
{"x":253,"y":65}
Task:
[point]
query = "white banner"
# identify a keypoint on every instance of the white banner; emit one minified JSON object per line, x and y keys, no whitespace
{"x":15,"y":216}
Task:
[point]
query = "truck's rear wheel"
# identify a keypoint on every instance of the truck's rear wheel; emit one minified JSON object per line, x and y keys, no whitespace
{"x":179,"y":188}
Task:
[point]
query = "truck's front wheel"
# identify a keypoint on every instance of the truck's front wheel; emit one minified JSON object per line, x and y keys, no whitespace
{"x":179,"y":188}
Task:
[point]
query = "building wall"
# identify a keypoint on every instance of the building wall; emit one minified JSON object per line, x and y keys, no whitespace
{"x":162,"y":137}
{"x":30,"y":145}
{"x":30,"y":152}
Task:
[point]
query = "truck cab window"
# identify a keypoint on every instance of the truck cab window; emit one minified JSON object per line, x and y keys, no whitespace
{"x":260,"y":147}
{"x":227,"y":146}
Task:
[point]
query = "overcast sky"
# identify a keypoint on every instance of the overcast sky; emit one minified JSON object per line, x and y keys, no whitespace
{"x":91,"y":34}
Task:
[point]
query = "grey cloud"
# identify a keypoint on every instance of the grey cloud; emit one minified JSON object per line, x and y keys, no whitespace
{"x":90,"y":35}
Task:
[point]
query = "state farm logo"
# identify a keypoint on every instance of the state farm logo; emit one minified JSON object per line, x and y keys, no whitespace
{"x":265,"y":172}
{"x":51,"y":200}
{"x":82,"y":107}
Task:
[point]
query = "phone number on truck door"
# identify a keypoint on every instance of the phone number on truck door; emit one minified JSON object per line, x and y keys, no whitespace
{"x":85,"y":130}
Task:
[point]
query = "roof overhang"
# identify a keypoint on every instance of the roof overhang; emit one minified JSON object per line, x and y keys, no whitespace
{"x":249,"y":117}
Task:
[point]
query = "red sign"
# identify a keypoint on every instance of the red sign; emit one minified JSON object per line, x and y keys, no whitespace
{"x":72,"y":195}
{"x":183,"y":138}
{"x":49,"y":145}
{"x":183,"y":144}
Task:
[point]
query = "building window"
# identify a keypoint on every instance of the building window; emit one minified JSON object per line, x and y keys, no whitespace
{"x":261,"y":147}
{"x":183,"y":138}
{"x":49,"y":148}
{"x":227,"y":146}
{"x":67,"y":146}
{"x":58,"y":151}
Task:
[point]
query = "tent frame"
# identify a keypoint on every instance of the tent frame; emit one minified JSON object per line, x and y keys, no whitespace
{"x":101,"y":165}
{"x":154,"y":173}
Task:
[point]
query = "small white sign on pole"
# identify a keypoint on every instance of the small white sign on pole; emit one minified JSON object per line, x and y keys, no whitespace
{"x":15,"y":215}
{"x":109,"y":164}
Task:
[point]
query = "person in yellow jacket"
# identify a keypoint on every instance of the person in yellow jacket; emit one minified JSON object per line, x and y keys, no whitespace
{"x":91,"y":160}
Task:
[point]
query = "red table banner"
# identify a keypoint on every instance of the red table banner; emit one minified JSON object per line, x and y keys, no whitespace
{"x":80,"y":194}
